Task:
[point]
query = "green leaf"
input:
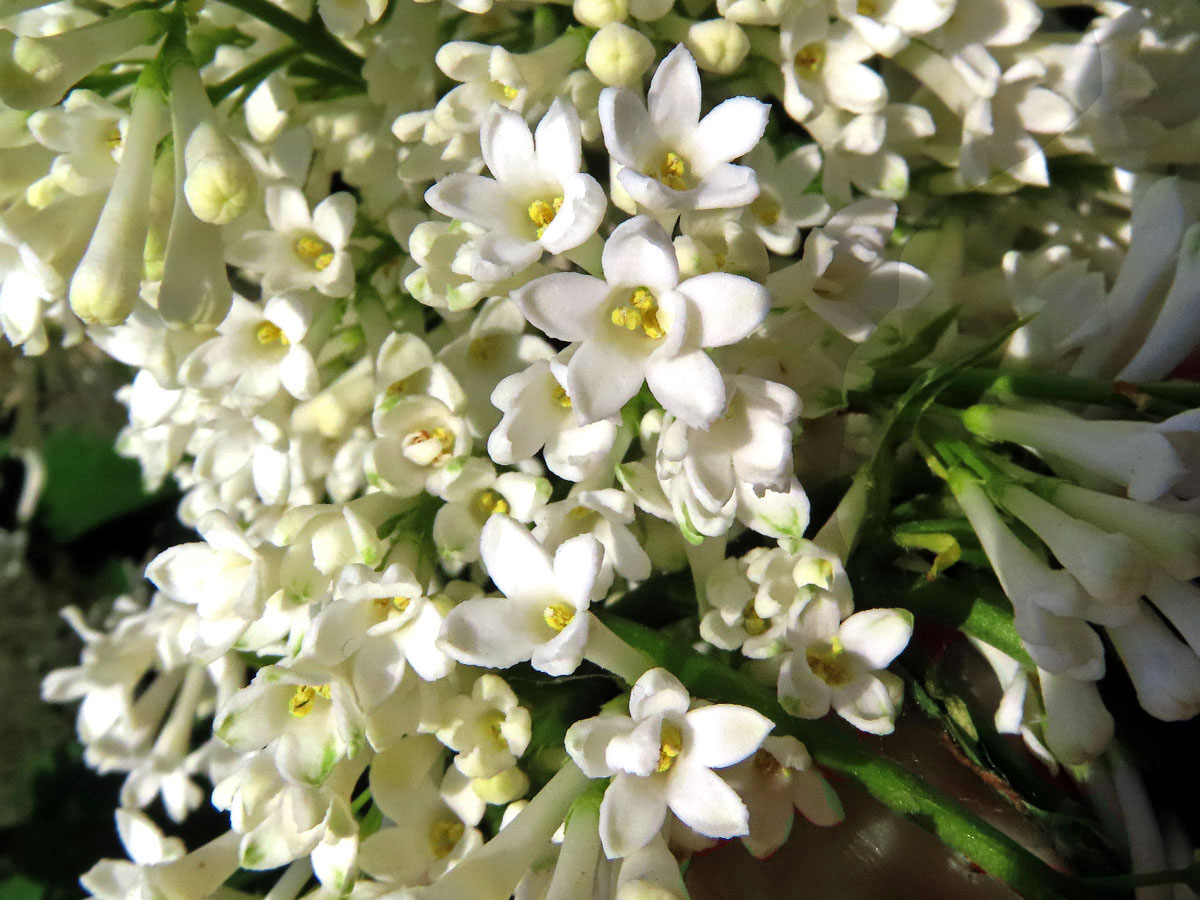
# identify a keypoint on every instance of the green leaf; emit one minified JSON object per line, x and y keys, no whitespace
{"x":18,"y":887}
{"x":87,"y":485}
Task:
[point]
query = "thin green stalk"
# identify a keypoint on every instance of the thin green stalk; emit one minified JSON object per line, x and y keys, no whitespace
{"x":309,"y":35}
{"x":251,"y":75}
{"x":890,"y":783}
{"x":1160,"y":398}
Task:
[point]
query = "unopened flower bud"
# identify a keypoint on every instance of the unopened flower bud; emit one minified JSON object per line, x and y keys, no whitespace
{"x":598,"y":13}
{"x":35,"y":72}
{"x":219,"y":183}
{"x":718,"y":45}
{"x":619,"y":55}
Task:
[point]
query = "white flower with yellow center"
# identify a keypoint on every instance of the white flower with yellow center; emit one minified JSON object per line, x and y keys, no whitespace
{"x":640,"y":323}
{"x":840,"y":664}
{"x":660,"y":757}
{"x":301,"y":249}
{"x":537,"y":199}
{"x":417,"y":437}
{"x":543,"y":617}
{"x":672,"y":158}
{"x":488,"y":728}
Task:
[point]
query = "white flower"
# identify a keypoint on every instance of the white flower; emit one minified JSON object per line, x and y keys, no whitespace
{"x":302,"y":249}
{"x":840,"y":664}
{"x":417,"y":437}
{"x":661,"y":757}
{"x":488,"y":728}
{"x":672,"y":158}
{"x":543,"y":616}
{"x":604,"y":514}
{"x":640,"y":323}
{"x":537,"y":198}
{"x":823,"y":64}
{"x":784,"y":205}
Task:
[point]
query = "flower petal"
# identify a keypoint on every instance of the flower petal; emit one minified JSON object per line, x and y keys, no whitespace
{"x":507,"y":146}
{"x":705,"y":803}
{"x":564,"y":305}
{"x":640,"y":253}
{"x":689,"y":386}
{"x":632,"y":811}
{"x":515,"y":561}
{"x":729,"y":131}
{"x":725,"y":308}
{"x":674,"y":96}
{"x":656,"y":694}
{"x":557,"y":140}
{"x":877,"y":635}
{"x":725,"y":734}
{"x":494,"y":632}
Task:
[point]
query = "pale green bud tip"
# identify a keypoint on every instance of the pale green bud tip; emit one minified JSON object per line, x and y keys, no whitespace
{"x":97,"y":297}
{"x":978,"y":419}
{"x":619,"y":54}
{"x":37,"y":59}
{"x":220,"y":183}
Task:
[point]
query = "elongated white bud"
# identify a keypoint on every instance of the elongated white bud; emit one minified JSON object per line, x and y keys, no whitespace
{"x":162,"y":201}
{"x":1176,"y":330}
{"x":1168,"y":538}
{"x":1164,"y":670}
{"x":1078,"y":726}
{"x":1109,"y":566}
{"x":35,"y":72}
{"x":1131,"y":454}
{"x":195,"y":289}
{"x":104,"y":289}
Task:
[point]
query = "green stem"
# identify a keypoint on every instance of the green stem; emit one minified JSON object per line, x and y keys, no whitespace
{"x":309,"y":35}
{"x":1189,"y":876}
{"x":1163,"y":398}
{"x":253,"y":74}
{"x":890,"y":783}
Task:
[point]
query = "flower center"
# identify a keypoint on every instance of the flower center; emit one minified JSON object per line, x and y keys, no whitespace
{"x":428,"y":447}
{"x":402,"y":386}
{"x":670,"y":745}
{"x":832,"y":664}
{"x":766,"y":763}
{"x":481,"y":348}
{"x":444,"y":837}
{"x":752,"y":621}
{"x":312,"y":250}
{"x":268,"y":333}
{"x":505,"y":90}
{"x":810,"y":59}
{"x":558,"y":615}
{"x":305,"y":698}
{"x":561,"y":397}
{"x":114,"y":139}
{"x":640,"y":312}
{"x":672,"y":170}
{"x":766,"y":207}
{"x":385,"y":606}
{"x":866,"y":8}
{"x":542,"y":213}
{"x":487,"y":502}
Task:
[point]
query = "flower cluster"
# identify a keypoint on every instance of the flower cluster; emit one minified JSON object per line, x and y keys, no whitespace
{"x":474,"y":338}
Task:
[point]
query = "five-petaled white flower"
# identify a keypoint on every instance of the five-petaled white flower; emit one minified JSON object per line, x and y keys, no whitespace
{"x":673,"y":159}
{"x":641,"y":323}
{"x":661,"y":757}
{"x":536,"y":200}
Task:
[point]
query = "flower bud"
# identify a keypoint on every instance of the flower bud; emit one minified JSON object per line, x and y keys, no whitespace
{"x":1078,"y":726}
{"x":220,"y":183}
{"x":718,"y":45}
{"x":35,"y":72}
{"x":619,"y":55}
{"x":598,"y":13}
{"x":104,"y":288}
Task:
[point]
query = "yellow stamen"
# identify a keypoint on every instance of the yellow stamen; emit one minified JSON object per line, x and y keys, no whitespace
{"x":305,"y":698}
{"x":810,"y":58}
{"x":480,"y":349}
{"x":509,"y":92}
{"x":270,"y":333}
{"x":831,"y":664}
{"x":671,"y":171}
{"x":766,"y":207}
{"x":561,"y":397}
{"x":641,"y":312}
{"x":866,"y":8}
{"x":401,"y":387}
{"x":444,"y":837}
{"x":114,"y":139}
{"x":487,"y":502}
{"x":766,"y":763}
{"x":752,"y":621}
{"x":314,"y":251}
{"x":558,"y":615}
{"x":542,"y":213}
{"x":670,"y":745}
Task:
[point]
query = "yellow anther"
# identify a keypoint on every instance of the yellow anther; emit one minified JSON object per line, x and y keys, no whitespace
{"x":766,"y":207}
{"x":558,"y":615}
{"x":766,"y":763}
{"x":480,"y":349}
{"x":866,"y":8}
{"x":305,"y":698}
{"x":487,"y":502}
{"x":509,"y":92}
{"x":444,"y":837}
{"x":270,"y":333}
{"x":832,"y":664}
{"x":810,"y":58}
{"x":493,"y":724}
{"x":561,"y":397}
{"x":752,"y":621}
{"x":401,"y":387}
{"x":671,"y":171}
{"x":580,"y":512}
{"x":670,"y":745}
{"x":640,"y":312}
{"x":542,"y":213}
{"x":429,"y":447}
{"x":314,"y":251}
{"x":401,"y":603}
{"x":114,"y":139}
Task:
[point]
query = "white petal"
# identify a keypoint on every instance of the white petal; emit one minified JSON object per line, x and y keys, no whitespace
{"x":515,"y":561}
{"x":286,"y":208}
{"x":725,"y":734}
{"x":877,"y":635}
{"x":639,"y":252}
{"x":601,"y":379}
{"x":656,"y":694}
{"x":558,"y":141}
{"x":729,"y":131}
{"x":632,"y":811}
{"x":705,"y":803}
{"x":494,"y":632}
{"x":473,"y":198}
{"x":628,"y":132}
{"x":587,"y":742}
{"x":576,"y":566}
{"x":674,"y":96}
{"x":726,"y":308}
{"x":583,"y":206}
{"x":333,"y":219}
{"x":507,"y":146}
{"x":689,"y":387}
